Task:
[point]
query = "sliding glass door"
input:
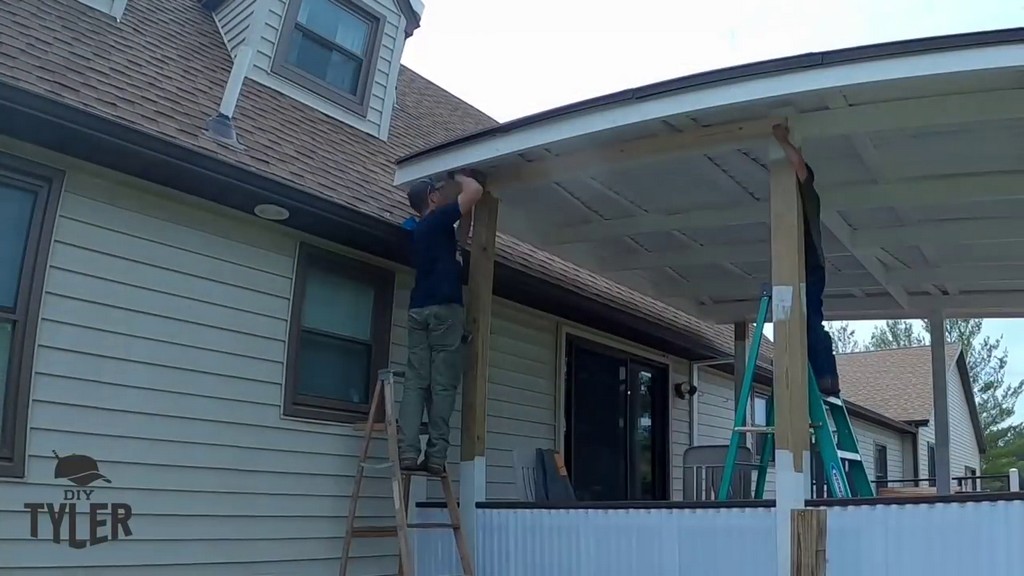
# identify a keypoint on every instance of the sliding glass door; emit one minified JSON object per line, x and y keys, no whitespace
{"x":616,"y":413}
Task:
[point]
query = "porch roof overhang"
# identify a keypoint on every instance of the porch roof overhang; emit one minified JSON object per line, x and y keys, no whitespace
{"x":918,"y":149}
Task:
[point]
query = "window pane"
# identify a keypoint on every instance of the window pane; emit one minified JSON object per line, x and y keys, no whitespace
{"x":16,"y":207}
{"x":338,"y":304}
{"x":334,"y":369}
{"x":6,"y":334}
{"x":760,"y":410}
{"x":335,"y":23}
{"x":337,"y":69}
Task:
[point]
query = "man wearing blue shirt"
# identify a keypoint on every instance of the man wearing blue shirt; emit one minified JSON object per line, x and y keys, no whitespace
{"x":436,"y":322}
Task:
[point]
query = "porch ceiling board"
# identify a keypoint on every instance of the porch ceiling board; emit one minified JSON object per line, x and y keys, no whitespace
{"x":919,"y":157}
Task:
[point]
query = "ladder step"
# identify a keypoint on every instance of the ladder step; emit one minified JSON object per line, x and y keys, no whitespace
{"x":766,"y":429}
{"x":843,"y":454}
{"x":835,"y":400}
{"x":391,"y":531}
{"x":382,"y":427}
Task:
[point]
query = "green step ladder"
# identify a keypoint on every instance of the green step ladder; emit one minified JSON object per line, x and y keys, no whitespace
{"x":845,"y":473}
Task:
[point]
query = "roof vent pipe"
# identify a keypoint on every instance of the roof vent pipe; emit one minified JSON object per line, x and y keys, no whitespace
{"x":221,"y":126}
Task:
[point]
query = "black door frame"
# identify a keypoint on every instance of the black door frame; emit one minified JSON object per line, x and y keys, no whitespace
{"x":661,"y":411}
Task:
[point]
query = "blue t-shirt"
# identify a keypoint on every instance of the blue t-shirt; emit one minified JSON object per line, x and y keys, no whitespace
{"x":434,"y":249}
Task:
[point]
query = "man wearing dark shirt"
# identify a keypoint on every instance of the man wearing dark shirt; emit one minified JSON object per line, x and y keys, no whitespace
{"x":436,"y":322}
{"x":819,"y":342}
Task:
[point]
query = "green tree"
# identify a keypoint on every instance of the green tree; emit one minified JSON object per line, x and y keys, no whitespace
{"x":895,"y":334}
{"x":844,"y":338}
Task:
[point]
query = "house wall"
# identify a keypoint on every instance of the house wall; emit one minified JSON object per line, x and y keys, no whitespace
{"x":161,"y":354}
{"x":257,"y":23}
{"x":963,"y":445}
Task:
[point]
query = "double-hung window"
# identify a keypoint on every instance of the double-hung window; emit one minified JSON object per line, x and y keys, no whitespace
{"x":340,"y":335}
{"x":28,"y":207}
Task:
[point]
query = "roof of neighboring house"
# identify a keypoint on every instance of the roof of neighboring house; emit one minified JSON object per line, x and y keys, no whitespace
{"x":162,"y":70}
{"x":898,"y":383}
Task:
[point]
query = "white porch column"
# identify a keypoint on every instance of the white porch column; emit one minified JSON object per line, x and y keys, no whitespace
{"x":940,"y":393}
{"x":792,"y":420}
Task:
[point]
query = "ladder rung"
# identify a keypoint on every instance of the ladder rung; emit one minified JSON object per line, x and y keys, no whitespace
{"x":765,"y":429}
{"x":836,"y":400}
{"x":382,"y":427}
{"x":373,"y":531}
{"x":391,"y":531}
{"x":849,"y":455}
{"x":432,"y":525}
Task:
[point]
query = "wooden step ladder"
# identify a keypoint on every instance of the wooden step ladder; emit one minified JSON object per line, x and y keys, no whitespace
{"x":401,"y":480}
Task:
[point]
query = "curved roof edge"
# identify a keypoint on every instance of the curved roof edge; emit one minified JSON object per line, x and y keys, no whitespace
{"x":784,"y":64}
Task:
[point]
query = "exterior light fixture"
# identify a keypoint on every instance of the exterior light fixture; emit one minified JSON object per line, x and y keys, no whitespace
{"x":271,"y":212}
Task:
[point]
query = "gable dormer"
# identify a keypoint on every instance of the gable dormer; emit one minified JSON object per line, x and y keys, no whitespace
{"x":113,"y":8}
{"x":341,"y":57}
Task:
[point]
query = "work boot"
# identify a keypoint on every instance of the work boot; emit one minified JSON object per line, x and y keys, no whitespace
{"x":829,"y":385}
{"x":410,"y":464}
{"x":433,"y":468}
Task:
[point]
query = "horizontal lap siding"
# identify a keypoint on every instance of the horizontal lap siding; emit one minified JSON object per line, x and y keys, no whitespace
{"x":161,"y":354}
{"x":680,"y":425}
{"x":717,"y":407}
{"x":963,"y":446}
{"x":867,"y":436}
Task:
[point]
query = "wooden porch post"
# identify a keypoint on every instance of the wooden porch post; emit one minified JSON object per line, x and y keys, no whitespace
{"x":940,"y":393}
{"x":473,"y":464}
{"x":792,"y":437}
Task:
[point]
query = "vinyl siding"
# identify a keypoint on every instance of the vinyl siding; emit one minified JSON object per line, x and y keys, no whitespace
{"x":963,"y":446}
{"x":259,"y":22}
{"x":680,"y":426}
{"x":716,"y":410}
{"x":161,"y":354}
{"x":867,"y":436}
{"x":926,"y":435}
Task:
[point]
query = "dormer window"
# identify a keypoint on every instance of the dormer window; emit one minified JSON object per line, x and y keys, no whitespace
{"x":329,"y":47}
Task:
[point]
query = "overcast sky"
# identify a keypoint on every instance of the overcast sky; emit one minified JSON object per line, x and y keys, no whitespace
{"x":512,"y":58}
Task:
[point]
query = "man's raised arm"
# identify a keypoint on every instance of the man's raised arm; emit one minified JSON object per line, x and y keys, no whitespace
{"x":781,"y":133}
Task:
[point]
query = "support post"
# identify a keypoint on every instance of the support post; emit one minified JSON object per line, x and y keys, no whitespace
{"x":739,"y":366}
{"x":810,"y":539}
{"x":473,"y":465}
{"x":1014,"y":480}
{"x":940,"y":395}
{"x":792,"y":420}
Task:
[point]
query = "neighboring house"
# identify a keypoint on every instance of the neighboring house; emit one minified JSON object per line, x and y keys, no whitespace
{"x":898,"y":383}
{"x":203,"y":265}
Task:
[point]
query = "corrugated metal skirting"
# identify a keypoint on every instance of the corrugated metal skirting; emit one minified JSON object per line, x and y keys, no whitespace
{"x":956,"y":539}
{"x":631,"y":542}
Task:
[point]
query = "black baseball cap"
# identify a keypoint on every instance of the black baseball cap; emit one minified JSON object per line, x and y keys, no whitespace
{"x":418,"y":193}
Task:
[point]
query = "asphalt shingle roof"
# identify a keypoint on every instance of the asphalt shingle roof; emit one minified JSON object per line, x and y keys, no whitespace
{"x":162,"y":69}
{"x":895,"y":382}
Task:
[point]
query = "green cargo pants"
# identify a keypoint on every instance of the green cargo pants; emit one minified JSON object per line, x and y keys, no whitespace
{"x":432,"y":377}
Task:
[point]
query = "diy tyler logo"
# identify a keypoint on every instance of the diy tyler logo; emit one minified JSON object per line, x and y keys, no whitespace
{"x":107,"y":521}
